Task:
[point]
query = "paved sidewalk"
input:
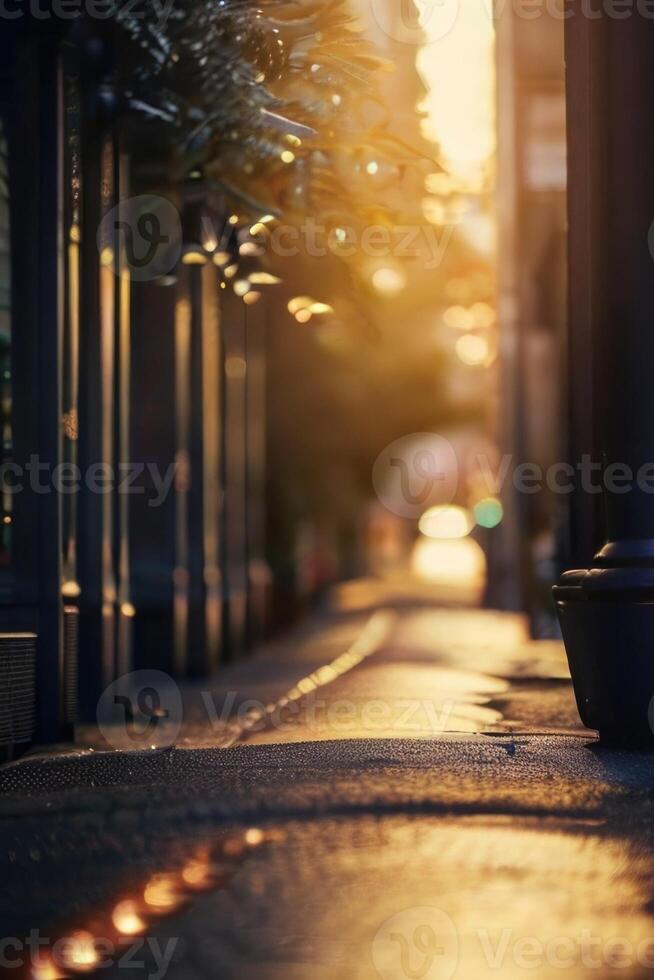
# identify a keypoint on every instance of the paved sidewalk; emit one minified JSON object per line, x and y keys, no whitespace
{"x":396,"y":790}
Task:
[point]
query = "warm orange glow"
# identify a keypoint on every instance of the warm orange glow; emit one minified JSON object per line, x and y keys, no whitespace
{"x":298,"y":303}
{"x":389,"y":280}
{"x":162,"y":893}
{"x":472,"y":349}
{"x":483,"y":315}
{"x":80,"y":952}
{"x":45,"y":969}
{"x":451,"y":564}
{"x":197,"y":873}
{"x":194,"y":256}
{"x":446,"y":522}
{"x":264,"y":279}
{"x":304,"y":307}
{"x":459,"y":318}
{"x":458,"y":69}
{"x":241,"y":287}
{"x":127,"y":920}
{"x":250,"y":248}
{"x":254,"y":837}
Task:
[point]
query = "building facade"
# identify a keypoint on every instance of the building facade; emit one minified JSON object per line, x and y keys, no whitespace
{"x":128,"y":404}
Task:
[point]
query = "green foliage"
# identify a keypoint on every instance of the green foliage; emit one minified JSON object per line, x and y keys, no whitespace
{"x":230,"y":86}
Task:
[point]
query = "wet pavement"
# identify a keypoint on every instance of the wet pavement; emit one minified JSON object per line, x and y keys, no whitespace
{"x":395,"y":790}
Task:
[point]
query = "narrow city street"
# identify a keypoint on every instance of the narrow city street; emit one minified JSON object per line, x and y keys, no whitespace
{"x":394,"y":790}
{"x":326,"y":489}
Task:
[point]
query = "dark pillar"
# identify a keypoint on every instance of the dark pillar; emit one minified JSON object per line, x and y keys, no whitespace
{"x":50,"y":686}
{"x":259,"y":575}
{"x":96,"y":436}
{"x":606,"y":611}
{"x":181,"y":574}
{"x":38,"y":286}
{"x":205,"y":587}
{"x":124,"y":610}
{"x":152,"y":438}
{"x":236,"y":477}
{"x":198,"y":454}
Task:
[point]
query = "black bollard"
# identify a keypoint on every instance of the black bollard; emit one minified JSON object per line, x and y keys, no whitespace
{"x":606,"y":610}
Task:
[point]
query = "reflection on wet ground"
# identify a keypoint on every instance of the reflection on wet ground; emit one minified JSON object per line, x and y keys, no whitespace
{"x":377,"y":674}
{"x":97,"y":934}
{"x":460,"y":671}
{"x":425,"y":804}
{"x":370,"y":896}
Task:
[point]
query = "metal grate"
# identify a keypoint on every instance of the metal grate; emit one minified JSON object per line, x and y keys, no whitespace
{"x":17,"y":666}
{"x":71,"y":663}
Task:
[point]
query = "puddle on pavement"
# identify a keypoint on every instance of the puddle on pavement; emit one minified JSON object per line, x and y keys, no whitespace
{"x":368,"y":897}
{"x":426,"y":699}
{"x":384,"y":700}
{"x":484,"y":641}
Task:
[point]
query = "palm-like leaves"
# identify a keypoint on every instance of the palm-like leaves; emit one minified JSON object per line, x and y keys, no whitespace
{"x":226,"y":84}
